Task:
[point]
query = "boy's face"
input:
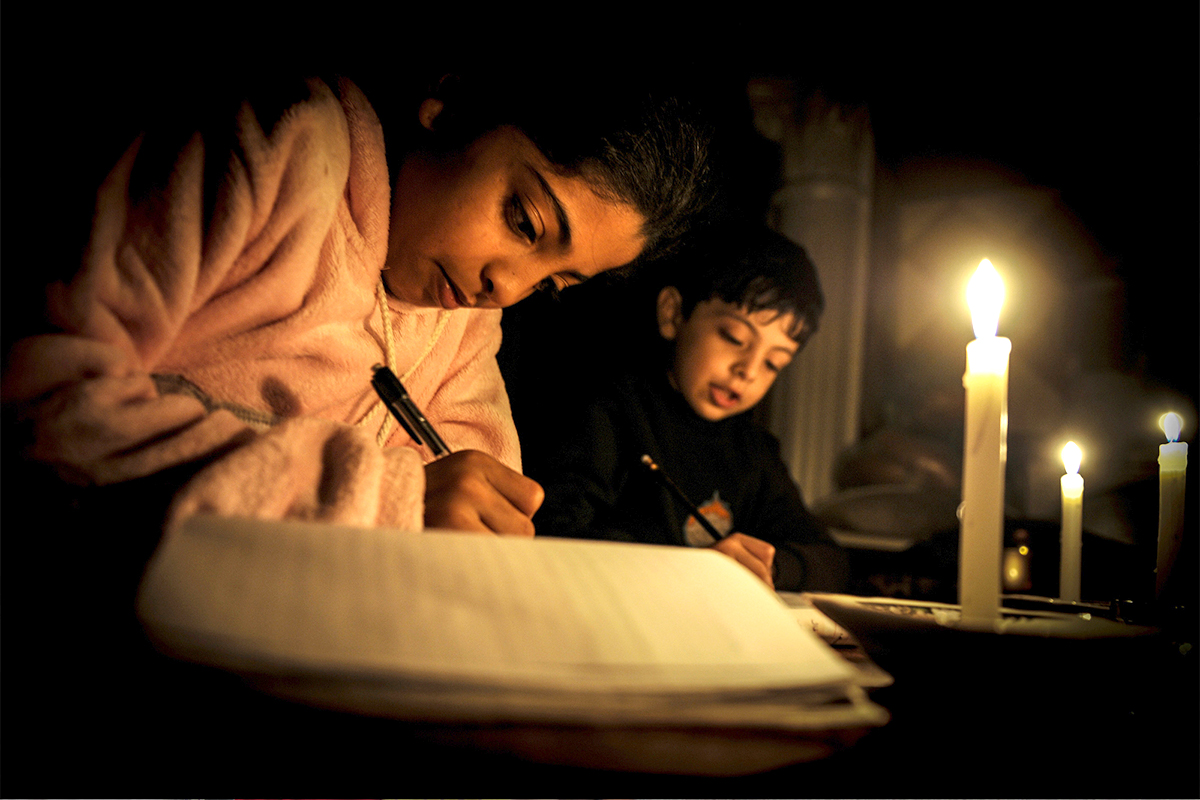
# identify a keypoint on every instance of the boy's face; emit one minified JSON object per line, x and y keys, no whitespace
{"x":725,"y":357}
{"x":486,"y":226}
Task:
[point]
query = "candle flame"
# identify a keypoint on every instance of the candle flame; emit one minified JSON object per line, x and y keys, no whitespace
{"x":985,"y":295}
{"x":1172,"y":425}
{"x":1071,"y":456}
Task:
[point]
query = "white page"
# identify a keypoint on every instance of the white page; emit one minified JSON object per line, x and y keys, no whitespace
{"x":485,"y":610}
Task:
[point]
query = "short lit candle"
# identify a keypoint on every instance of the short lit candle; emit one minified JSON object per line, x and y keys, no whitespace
{"x":1072,"y":524}
{"x":981,"y":534}
{"x":1172,"y":474}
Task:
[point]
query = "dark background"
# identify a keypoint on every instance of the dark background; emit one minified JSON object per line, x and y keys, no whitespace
{"x":1103,"y":110}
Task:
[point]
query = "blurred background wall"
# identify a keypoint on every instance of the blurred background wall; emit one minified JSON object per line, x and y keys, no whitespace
{"x":1062,"y":180}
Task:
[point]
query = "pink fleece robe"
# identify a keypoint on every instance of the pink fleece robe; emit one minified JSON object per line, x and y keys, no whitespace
{"x":226,"y":311}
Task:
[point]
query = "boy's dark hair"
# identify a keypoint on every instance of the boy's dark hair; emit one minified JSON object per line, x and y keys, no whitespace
{"x":759,"y":269}
{"x":634,"y":141}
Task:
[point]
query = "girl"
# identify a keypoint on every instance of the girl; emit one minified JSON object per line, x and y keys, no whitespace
{"x":244,"y":273}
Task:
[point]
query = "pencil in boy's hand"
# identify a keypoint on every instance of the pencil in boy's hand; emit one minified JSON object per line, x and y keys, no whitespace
{"x":675,"y":490}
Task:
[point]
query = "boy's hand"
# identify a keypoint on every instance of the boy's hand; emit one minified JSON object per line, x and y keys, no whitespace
{"x":471,"y":491}
{"x":754,"y":554}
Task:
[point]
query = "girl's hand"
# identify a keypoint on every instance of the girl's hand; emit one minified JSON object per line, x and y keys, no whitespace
{"x":471,"y":491}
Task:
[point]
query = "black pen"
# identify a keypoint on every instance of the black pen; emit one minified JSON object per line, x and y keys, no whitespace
{"x":396,"y":398}
{"x":675,"y":490}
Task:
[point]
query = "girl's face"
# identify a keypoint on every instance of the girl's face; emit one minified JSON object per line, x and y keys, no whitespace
{"x":486,"y":226}
{"x":725,"y":357}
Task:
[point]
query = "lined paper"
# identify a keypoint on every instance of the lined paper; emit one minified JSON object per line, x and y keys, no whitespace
{"x":489,"y":610}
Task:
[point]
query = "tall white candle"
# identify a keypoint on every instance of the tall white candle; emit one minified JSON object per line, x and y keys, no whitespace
{"x":985,"y":443}
{"x":1172,"y":482}
{"x":1072,"y":524}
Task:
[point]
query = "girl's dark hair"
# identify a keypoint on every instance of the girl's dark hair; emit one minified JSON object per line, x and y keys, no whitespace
{"x":635,"y":140}
{"x":757,"y":269}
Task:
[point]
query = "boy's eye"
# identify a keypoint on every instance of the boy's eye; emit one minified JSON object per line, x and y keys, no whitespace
{"x":729,"y":337}
{"x":773,"y":367}
{"x":519,"y":220}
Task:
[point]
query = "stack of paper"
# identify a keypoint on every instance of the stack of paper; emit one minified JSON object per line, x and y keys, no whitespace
{"x":457,"y":627}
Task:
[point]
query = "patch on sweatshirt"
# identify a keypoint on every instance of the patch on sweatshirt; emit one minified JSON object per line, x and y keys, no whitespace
{"x":717,"y":513}
{"x":177,"y":384}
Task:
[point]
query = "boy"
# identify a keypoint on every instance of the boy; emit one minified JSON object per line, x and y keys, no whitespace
{"x":729,"y":326}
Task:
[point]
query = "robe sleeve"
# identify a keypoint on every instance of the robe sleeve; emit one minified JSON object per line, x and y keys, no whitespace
{"x":189,"y":217}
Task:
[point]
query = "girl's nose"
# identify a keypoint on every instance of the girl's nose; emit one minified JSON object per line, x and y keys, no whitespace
{"x":504,"y":284}
{"x":488,"y":289}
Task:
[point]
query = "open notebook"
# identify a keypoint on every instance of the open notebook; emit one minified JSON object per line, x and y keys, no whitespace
{"x":446,"y":627}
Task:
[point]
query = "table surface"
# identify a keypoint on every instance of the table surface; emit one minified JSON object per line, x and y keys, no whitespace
{"x":89,"y":710}
{"x":1067,"y":719}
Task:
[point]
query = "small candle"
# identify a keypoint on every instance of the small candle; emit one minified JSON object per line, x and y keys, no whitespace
{"x":981,"y":534}
{"x":1072,"y":524}
{"x":1172,"y":474}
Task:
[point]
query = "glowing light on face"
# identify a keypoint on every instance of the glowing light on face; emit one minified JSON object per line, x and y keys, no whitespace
{"x":726,"y":357}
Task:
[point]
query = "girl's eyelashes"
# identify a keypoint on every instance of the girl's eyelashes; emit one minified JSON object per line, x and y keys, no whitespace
{"x":554,"y":286}
{"x":519,"y":219}
{"x":550,"y":287}
{"x":557,"y":283}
